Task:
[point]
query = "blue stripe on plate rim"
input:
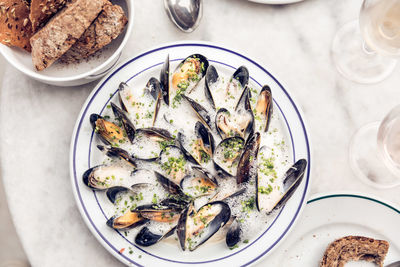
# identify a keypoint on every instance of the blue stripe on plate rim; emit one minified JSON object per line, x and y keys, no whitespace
{"x":208,"y":45}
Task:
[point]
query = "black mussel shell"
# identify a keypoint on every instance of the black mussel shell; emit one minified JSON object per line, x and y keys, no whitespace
{"x":146,"y":238}
{"x":247,"y":168}
{"x":242,"y":75}
{"x":264,"y":107}
{"x":116,"y":152}
{"x":169,"y":185}
{"x":200,"y":111}
{"x":164,"y":79}
{"x":211,"y":78}
{"x":233,"y":236}
{"x":108,"y":132}
{"x":126,"y":123}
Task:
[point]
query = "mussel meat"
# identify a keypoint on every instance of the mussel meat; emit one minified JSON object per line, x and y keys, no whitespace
{"x":186,"y":76}
{"x":199,"y":183}
{"x":236,"y":123}
{"x":126,"y":221}
{"x":109,"y":133}
{"x":263,"y":109}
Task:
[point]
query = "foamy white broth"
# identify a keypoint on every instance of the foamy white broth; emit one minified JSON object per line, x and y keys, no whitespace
{"x":274,"y":144}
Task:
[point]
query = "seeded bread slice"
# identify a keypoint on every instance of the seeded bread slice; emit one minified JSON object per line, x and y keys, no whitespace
{"x":62,"y":31}
{"x":355,"y":248}
{"x":15,"y":27}
{"x":108,"y":26}
{"x":42,"y":10}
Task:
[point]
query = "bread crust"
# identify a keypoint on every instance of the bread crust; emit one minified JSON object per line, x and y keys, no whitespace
{"x":108,"y":26}
{"x":62,"y":31}
{"x":15,"y":26}
{"x":42,"y":10}
{"x":354,"y":248}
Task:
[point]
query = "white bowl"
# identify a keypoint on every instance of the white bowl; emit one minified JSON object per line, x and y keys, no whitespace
{"x":74,"y":74}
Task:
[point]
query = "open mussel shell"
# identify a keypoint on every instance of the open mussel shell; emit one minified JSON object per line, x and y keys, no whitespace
{"x":164,"y":80}
{"x":126,"y":221}
{"x":242,"y":75}
{"x":108,"y":132}
{"x":149,"y":142}
{"x":126,"y":123}
{"x":227,"y":154}
{"x":263,"y":109}
{"x":118,"y":153}
{"x":244,"y":100}
{"x":169,"y":185}
{"x":114,"y":192}
{"x":195,"y":228}
{"x":210,"y":80}
{"x":142,"y":106}
{"x":159,"y":213}
{"x":175,"y":202}
{"x":199,"y":183}
{"x":224,"y":196}
{"x":174,"y":164}
{"x":292,"y":180}
{"x":201,"y":112}
{"x":238,"y":123}
{"x":247,"y":168}
{"x":102,"y":177}
{"x":186,"y":77}
{"x":146,"y":237}
{"x":234,"y":234}
{"x":200,"y":148}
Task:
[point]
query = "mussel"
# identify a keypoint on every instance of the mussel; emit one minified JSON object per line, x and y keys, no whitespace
{"x":164,"y":80}
{"x":201,"y":112}
{"x":235,"y":123}
{"x":126,"y":221}
{"x":142,"y":106}
{"x":186,"y":76}
{"x":118,"y":153}
{"x":199,"y":183}
{"x":108,"y":132}
{"x":148,"y":237}
{"x":247,"y":168}
{"x":227,"y":94}
{"x":173,"y":164}
{"x":102,"y":177}
{"x":227,"y":154}
{"x":291,"y":181}
{"x":199,"y":148}
{"x":126,"y":123}
{"x":149,"y":142}
{"x":196,"y":227}
{"x":263,"y":109}
{"x":234,"y":234}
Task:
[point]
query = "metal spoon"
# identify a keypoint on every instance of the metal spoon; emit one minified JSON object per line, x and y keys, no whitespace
{"x":185,"y":14}
{"x":394,"y":264}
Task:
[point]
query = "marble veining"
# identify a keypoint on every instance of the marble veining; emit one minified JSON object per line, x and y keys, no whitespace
{"x":292,"y":41}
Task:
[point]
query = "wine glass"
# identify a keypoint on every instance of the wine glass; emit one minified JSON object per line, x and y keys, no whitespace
{"x":375,"y":151}
{"x":364,"y":51}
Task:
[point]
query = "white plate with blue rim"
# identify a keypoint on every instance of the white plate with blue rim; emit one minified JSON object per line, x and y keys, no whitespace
{"x":93,"y":205}
{"x":330,"y":216}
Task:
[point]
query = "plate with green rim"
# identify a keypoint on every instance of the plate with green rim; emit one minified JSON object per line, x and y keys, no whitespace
{"x":330,"y":216}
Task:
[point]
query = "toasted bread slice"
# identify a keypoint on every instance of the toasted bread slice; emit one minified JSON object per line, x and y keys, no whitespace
{"x":355,"y":248}
{"x":42,"y":10}
{"x":108,"y":25}
{"x":15,"y":26}
{"x":62,"y":31}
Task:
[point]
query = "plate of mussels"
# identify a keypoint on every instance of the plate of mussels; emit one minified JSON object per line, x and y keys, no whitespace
{"x":190,"y":153}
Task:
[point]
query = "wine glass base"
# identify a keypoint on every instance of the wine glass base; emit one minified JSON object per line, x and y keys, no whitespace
{"x":354,"y":62}
{"x":366,"y":161}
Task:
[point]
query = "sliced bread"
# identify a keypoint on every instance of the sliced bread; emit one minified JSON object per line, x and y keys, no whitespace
{"x":42,"y":10}
{"x":62,"y":31}
{"x":355,"y":248}
{"x":15,"y":26}
{"x":108,"y":26}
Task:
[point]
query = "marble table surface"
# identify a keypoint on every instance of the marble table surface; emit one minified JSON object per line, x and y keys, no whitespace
{"x":292,"y":41}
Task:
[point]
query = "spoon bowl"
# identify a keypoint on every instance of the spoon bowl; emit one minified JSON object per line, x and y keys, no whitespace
{"x":185,"y":14}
